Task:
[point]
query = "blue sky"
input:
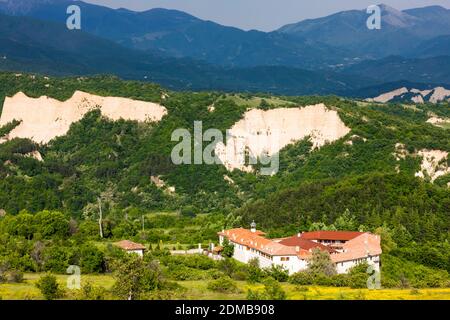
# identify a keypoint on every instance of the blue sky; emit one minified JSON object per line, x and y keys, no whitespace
{"x":264,"y":15}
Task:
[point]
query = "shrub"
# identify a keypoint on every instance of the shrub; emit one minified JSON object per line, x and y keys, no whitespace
{"x":49,"y":287}
{"x":358,"y":280}
{"x":340,"y":280}
{"x":398,"y":272}
{"x":195,"y":261}
{"x":320,"y":263}
{"x":255,"y":274}
{"x":90,"y":292}
{"x":239,"y":276}
{"x":15,"y":276}
{"x":223,"y":285}
{"x":358,"y":276}
{"x":134,"y":277}
{"x":56,"y":259}
{"x":278,"y":273}
{"x":305,"y":278}
{"x":91,"y":259}
{"x":183,"y":273}
{"x":227,"y":266}
{"x":125,"y":229}
{"x":302,"y":278}
{"x":189,"y":211}
{"x":272,"y":291}
{"x":228,"y":249}
{"x":52,"y":224}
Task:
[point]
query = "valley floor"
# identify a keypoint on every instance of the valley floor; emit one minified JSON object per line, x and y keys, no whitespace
{"x":197,"y":290}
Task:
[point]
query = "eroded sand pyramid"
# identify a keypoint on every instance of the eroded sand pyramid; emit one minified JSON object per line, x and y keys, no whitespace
{"x":45,"y":118}
{"x":267,"y":132}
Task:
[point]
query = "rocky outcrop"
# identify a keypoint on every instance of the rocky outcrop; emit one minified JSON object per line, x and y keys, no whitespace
{"x":45,"y":118}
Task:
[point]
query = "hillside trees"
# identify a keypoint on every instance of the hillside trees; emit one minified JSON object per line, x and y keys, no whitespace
{"x":134,"y":277}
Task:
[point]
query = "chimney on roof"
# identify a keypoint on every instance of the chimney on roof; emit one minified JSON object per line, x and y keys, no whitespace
{"x":253,"y":226}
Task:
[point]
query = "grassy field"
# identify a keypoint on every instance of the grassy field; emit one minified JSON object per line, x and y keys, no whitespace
{"x":198,"y":290}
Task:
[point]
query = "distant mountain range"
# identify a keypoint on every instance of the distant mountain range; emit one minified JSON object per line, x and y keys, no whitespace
{"x":46,"y":47}
{"x":179,"y":34}
{"x":336,"y":54}
{"x":402,"y":33}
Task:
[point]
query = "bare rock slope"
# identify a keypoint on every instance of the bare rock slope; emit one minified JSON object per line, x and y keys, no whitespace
{"x":436,"y":95}
{"x":267,"y":132}
{"x":44,"y":118}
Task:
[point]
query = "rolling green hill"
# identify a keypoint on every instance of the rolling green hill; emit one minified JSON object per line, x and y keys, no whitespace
{"x":353,"y":183}
{"x":83,"y":158}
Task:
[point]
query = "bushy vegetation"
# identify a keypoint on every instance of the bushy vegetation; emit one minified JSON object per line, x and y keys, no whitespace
{"x":49,"y":210}
{"x":272,"y":291}
{"x":223,"y":284}
{"x":49,"y":287}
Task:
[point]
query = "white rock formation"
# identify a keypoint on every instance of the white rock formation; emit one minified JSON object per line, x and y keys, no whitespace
{"x":433,"y":164}
{"x":439,"y":94}
{"x":388,"y":96}
{"x":45,"y":118}
{"x":400,"y":151}
{"x":418,"y":99}
{"x":438,"y":121}
{"x":435,"y":95}
{"x":267,"y":132}
{"x":35,"y":155}
{"x":161,"y":184}
{"x":423,"y":93}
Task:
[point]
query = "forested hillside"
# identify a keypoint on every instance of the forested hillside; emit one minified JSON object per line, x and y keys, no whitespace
{"x":365,"y":180}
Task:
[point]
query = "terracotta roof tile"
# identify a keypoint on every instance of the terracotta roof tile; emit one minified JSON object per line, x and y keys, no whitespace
{"x":360,"y":247}
{"x":256,"y":241}
{"x":331,"y":235}
{"x":129,"y":245}
{"x":305,"y":244}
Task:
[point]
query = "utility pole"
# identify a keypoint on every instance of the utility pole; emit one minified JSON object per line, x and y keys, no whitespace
{"x":100,"y":220}
{"x":143,"y":223}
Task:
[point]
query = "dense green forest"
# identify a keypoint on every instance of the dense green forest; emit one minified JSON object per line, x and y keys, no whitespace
{"x":360,"y":185}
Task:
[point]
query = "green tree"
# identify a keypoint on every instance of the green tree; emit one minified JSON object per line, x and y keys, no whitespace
{"x":52,"y":224}
{"x":91,"y":259}
{"x":255,"y":274}
{"x":387,"y":242}
{"x":228,"y":248}
{"x":56,"y":258}
{"x":278,"y":273}
{"x":49,"y":287}
{"x":272,"y":291}
{"x":346,"y":221}
{"x":134,"y":277}
{"x":22,"y":225}
{"x":224,"y":285}
{"x":320,"y":263}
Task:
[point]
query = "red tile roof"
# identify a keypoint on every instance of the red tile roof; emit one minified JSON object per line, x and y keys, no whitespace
{"x":360,"y":247}
{"x":129,"y":245}
{"x":256,"y":241}
{"x":331,"y":235}
{"x":305,"y":244}
{"x":358,"y":244}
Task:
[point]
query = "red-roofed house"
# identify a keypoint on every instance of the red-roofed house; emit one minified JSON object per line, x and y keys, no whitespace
{"x":346,"y":248}
{"x":131,"y":247}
